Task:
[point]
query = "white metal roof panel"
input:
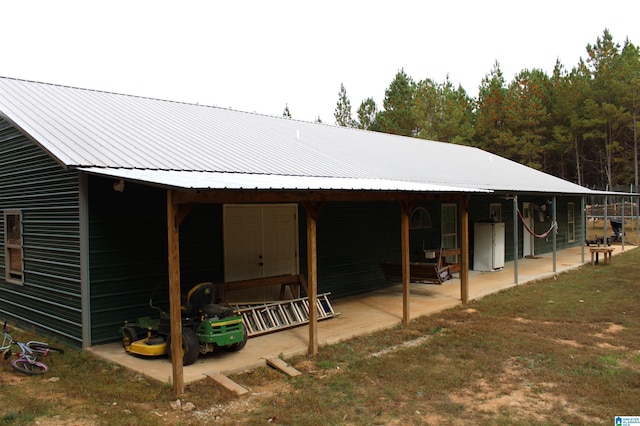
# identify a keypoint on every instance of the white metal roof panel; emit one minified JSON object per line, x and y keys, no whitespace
{"x":216,"y":180}
{"x":92,"y":129}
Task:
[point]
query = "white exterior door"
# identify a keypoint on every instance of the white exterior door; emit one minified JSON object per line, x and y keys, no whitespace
{"x":260,"y":241}
{"x":280,"y":243}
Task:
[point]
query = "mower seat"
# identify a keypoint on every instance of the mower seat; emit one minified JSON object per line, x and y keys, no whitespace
{"x":212,"y":310}
{"x":200,"y":301}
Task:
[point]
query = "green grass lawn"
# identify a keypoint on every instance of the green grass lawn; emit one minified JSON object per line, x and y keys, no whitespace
{"x":559,"y":351}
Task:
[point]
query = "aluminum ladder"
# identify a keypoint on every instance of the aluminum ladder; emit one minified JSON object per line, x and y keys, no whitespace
{"x":273,"y":316}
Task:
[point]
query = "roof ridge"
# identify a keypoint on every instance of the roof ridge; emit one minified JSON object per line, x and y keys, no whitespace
{"x":150,"y":98}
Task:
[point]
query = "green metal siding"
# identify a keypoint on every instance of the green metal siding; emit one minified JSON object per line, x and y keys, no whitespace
{"x":128,"y":253}
{"x":47,"y":195}
{"x":201,"y":246}
{"x":479,"y":211}
{"x":353,"y":237}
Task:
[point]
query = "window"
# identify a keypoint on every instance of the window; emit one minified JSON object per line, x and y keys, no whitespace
{"x":495,"y":212}
{"x":571,"y":222}
{"x":420,"y":219}
{"x":450,"y":229}
{"x":13,"y":247}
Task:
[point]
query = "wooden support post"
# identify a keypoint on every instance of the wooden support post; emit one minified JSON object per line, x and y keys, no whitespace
{"x":313,"y":211}
{"x":405,"y":211}
{"x":173,"y":236}
{"x":464,"y":252}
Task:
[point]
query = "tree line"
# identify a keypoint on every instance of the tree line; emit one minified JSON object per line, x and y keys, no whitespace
{"x":579,"y":124}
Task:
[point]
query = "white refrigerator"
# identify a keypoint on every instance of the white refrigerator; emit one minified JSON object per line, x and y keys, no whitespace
{"x":488,"y":246}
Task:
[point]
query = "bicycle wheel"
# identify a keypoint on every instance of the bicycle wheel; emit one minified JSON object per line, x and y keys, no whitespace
{"x":24,"y":366}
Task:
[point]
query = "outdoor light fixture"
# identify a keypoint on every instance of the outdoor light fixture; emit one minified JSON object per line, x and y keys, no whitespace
{"x":119,"y":186}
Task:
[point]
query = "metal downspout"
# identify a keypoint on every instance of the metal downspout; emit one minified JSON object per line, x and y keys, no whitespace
{"x":606,"y":208}
{"x":554,"y":232}
{"x":85,"y":293}
{"x":623,"y":222}
{"x":583,"y":218}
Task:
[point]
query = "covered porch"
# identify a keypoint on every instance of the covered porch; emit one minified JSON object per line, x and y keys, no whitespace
{"x":359,"y":315}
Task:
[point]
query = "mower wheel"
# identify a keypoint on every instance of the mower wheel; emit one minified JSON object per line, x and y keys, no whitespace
{"x":129,"y":335}
{"x":190,"y":346}
{"x":234,"y":347}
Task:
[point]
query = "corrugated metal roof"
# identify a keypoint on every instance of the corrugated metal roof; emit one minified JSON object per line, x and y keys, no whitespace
{"x":217,"y":180}
{"x":162,"y":141}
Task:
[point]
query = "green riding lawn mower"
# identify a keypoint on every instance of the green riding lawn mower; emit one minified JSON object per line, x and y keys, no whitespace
{"x":206,"y":326}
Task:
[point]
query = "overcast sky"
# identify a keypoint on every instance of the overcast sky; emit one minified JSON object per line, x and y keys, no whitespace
{"x":257,"y":56}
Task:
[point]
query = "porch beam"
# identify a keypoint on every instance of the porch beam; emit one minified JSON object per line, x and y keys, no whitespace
{"x":182,"y":212}
{"x":173,"y":238}
{"x":282,"y":196}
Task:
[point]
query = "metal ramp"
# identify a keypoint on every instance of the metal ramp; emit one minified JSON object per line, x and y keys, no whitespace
{"x":273,"y":316}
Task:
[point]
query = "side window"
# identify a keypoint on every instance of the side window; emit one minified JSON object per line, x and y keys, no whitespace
{"x":13,"y":247}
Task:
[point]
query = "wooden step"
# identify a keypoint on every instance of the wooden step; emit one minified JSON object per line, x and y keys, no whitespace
{"x":279,"y":364}
{"x":227,"y":382}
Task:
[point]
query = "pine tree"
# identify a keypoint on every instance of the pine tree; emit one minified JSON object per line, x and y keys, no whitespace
{"x":607,"y":119}
{"x":398,"y":117}
{"x":343,"y":109}
{"x":630,"y":99}
{"x":527,"y":116}
{"x":367,"y":114}
{"x":492,"y":133}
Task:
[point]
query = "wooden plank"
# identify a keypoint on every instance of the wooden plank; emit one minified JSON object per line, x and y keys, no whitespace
{"x":294,"y":281}
{"x":419,"y":272}
{"x":227,"y":382}
{"x":282,"y":366}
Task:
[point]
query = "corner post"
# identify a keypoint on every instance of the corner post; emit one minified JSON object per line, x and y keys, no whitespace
{"x":313,"y":210}
{"x":405,"y":211}
{"x":173,"y":238}
{"x":464,"y":252}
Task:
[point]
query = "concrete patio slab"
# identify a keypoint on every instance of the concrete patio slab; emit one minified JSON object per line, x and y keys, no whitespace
{"x":361,"y":314}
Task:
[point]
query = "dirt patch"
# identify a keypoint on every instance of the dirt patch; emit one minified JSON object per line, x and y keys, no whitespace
{"x":511,"y":393}
{"x":572,"y":343}
{"x":611,"y":330}
{"x":239,"y":408}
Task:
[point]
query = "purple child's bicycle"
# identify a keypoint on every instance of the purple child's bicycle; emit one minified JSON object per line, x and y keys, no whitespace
{"x":28,"y":359}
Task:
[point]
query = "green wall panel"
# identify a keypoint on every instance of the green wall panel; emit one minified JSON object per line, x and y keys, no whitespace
{"x":47,"y":197}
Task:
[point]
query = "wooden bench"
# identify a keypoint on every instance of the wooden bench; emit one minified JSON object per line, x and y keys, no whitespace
{"x":440,"y":255}
{"x":595,"y":252}
{"x":294,"y":282}
{"x":420,"y":272}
